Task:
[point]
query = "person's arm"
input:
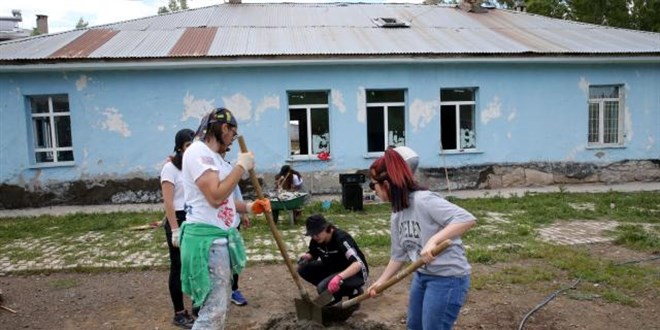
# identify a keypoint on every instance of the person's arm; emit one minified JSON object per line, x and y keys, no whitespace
{"x":451,"y":231}
{"x":168,"y":203}
{"x":391,"y":269}
{"x":216,"y":190}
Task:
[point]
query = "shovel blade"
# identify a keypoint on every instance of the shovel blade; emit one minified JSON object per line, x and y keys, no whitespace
{"x":324,"y":298}
{"x":306,"y":310}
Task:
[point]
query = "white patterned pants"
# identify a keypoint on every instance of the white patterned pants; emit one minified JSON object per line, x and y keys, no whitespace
{"x":213,"y":314}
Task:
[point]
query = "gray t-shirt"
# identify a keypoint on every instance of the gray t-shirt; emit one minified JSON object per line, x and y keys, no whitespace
{"x":411,"y":228}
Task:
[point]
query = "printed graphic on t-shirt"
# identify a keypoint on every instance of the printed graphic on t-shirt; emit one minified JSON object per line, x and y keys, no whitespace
{"x":225,"y":213}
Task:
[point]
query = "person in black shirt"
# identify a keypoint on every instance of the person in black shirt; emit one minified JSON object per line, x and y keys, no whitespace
{"x":334,"y":261}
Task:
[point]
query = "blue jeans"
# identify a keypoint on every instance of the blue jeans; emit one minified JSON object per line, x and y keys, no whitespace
{"x":435,"y":301}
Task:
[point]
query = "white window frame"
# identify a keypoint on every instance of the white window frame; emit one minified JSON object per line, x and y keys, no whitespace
{"x":308,"y":108}
{"x":457,"y":123}
{"x":600,"y":103}
{"x":386,"y":124}
{"x":50,"y":135}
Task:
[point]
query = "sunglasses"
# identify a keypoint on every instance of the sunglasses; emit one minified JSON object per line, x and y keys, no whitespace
{"x":372,"y":185}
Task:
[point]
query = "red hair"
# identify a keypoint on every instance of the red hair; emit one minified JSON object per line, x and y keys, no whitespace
{"x":391,"y":167}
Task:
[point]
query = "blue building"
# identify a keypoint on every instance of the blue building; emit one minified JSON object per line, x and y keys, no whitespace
{"x":493,"y":99}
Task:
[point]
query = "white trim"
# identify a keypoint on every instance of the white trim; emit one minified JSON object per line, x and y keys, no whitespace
{"x":138,"y":64}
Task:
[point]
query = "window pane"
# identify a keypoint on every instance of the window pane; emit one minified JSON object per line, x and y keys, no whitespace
{"x":375,"y":129}
{"x":603,"y":92}
{"x":308,"y":98}
{"x":63,"y":131}
{"x":60,"y":103}
{"x":65,"y":156}
{"x":456,"y":94}
{"x":397,"y":127}
{"x":42,"y":133}
{"x":298,"y":131}
{"x":448,"y":127}
{"x":320,"y":130}
{"x":593,"y":123}
{"x":39,"y":104}
{"x":467,"y":133}
{"x":379,"y":96}
{"x":611,"y":121}
{"x":44,"y":157}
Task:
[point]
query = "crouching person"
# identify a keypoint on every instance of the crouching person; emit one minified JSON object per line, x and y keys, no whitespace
{"x":333,"y":261}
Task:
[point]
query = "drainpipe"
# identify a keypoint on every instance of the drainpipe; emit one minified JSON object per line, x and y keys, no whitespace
{"x":42,"y":24}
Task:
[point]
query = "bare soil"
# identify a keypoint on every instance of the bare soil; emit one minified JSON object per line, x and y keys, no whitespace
{"x":139,"y":300}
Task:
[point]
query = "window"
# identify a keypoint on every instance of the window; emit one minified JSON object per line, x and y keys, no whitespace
{"x":605,"y":115}
{"x":309,"y":128}
{"x":51,"y":129}
{"x":385,"y":119}
{"x":457,"y":126}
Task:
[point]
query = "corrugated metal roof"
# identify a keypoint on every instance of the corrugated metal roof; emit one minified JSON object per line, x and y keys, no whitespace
{"x":340,"y":29}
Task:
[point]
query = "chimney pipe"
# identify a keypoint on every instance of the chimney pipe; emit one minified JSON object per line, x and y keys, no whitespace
{"x":234,"y":2}
{"x":42,"y":24}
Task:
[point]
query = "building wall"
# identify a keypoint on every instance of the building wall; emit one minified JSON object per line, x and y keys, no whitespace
{"x":123,"y":122}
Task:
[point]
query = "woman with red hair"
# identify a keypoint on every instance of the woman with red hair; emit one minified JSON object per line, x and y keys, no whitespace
{"x":420,"y":220}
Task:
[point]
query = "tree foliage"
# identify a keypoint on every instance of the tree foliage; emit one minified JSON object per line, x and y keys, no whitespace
{"x":82,"y":24}
{"x":172,"y":6}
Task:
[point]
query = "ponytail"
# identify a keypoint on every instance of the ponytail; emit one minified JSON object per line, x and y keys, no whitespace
{"x":391,"y":167}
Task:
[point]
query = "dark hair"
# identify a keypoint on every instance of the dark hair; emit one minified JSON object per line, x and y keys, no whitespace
{"x":287,"y":173}
{"x":392,"y":168}
{"x":182,"y":136}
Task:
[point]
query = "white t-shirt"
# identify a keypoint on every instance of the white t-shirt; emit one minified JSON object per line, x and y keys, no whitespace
{"x":171,"y":174}
{"x":198,"y":159}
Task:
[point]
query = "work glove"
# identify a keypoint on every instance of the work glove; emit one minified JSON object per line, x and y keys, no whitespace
{"x":175,"y":237}
{"x":259,"y":206}
{"x":335,"y":283}
{"x":246,"y":160}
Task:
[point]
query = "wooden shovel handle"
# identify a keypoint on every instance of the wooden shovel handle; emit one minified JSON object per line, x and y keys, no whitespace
{"x":273,"y":227}
{"x":398,"y":276}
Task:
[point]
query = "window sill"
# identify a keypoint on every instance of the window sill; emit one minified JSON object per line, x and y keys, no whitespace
{"x":461,"y":152}
{"x":306,"y":158}
{"x":371,"y":155}
{"x":49,"y":165}
{"x":605,"y":146}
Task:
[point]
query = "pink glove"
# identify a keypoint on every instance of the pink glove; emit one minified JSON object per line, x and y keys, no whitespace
{"x":335,"y":282}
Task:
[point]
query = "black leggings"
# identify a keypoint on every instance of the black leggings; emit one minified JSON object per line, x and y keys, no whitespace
{"x":175,"y":264}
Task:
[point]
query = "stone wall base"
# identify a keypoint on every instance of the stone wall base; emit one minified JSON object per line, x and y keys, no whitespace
{"x":488,"y":176}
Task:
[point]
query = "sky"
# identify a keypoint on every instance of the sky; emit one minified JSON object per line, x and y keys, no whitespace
{"x":64,"y":14}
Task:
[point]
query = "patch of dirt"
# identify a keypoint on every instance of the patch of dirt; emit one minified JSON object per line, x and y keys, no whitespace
{"x":139,"y":300}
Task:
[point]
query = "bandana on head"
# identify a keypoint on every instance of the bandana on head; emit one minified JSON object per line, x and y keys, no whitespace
{"x":217,"y":115}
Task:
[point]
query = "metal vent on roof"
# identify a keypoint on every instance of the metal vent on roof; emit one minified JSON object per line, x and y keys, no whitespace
{"x":390,"y":22}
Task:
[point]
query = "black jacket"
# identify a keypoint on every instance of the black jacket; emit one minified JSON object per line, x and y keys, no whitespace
{"x":339,"y":253}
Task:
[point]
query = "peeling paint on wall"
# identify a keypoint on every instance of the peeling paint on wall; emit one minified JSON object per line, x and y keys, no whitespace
{"x":239,"y":105}
{"x":583,"y":84}
{"x":492,"y":111}
{"x":511,"y":116}
{"x":195,"y":108}
{"x":81,"y":83}
{"x":160,"y":128}
{"x":338,"y":100}
{"x":361,"y":100}
{"x":422,"y":113}
{"x":508,"y":135}
{"x":114,"y":122}
{"x":269,"y":102}
{"x":627,"y":124}
{"x":651,"y":142}
{"x":571,"y":154}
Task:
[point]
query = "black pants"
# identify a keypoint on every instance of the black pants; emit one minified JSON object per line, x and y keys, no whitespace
{"x":175,"y":264}
{"x":319,"y":274}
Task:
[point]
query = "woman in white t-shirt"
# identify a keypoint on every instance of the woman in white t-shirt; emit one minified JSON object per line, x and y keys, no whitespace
{"x":173,"y":201}
{"x":211,"y":247}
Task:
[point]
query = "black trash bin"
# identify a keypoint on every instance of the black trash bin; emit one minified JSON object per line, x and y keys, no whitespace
{"x":351,"y":191}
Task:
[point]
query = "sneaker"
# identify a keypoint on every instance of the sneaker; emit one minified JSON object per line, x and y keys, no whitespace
{"x":238,"y":299}
{"x":183,"y":320}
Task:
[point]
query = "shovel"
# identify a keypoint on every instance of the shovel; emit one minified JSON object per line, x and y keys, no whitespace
{"x":338,"y":308}
{"x":305,"y":308}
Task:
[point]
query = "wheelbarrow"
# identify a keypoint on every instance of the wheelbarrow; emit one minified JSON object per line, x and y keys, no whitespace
{"x":306,"y":309}
{"x":282,"y":203}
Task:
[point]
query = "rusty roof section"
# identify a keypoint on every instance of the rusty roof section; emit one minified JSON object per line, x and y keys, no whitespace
{"x":85,"y":44}
{"x":194,"y":42}
{"x":339,"y":30}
